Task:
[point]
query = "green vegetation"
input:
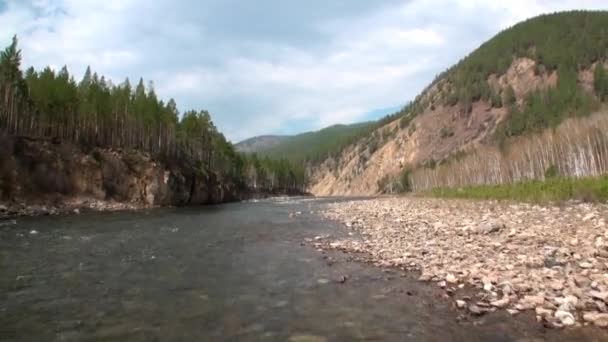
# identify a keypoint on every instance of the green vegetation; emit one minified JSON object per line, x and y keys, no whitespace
{"x":96,"y":113}
{"x":563,"y":42}
{"x":553,"y":189}
{"x":316,"y":146}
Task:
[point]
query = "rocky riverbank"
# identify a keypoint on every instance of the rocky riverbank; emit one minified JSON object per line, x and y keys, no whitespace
{"x":517,"y":257}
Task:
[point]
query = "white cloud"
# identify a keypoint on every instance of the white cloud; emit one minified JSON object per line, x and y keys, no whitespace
{"x":265,"y":66}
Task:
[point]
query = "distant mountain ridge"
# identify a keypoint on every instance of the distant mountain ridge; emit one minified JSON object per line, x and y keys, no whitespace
{"x":308,"y":146}
{"x":260,"y":143}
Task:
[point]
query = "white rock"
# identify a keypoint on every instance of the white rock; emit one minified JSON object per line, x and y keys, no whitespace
{"x":450,"y":278}
{"x":460,"y":303}
{"x":585,"y":264}
{"x":565,"y":317}
{"x":33,"y":232}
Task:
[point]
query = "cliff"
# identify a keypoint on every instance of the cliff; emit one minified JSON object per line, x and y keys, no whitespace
{"x":39,"y":176}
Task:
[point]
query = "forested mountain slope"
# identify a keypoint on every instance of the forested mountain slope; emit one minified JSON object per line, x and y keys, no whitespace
{"x":527,"y":79}
{"x":307,"y":147}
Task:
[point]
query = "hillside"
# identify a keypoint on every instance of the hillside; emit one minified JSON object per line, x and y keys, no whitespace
{"x":309,"y":146}
{"x":259,"y":143}
{"x":526,"y":79}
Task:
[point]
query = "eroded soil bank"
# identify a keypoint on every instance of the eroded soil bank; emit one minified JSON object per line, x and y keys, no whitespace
{"x":550,"y":260}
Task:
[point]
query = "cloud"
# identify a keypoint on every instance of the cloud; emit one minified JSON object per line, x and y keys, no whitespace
{"x":267,"y":66}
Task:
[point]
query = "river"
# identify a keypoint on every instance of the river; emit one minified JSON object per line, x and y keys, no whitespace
{"x":234,"y":272}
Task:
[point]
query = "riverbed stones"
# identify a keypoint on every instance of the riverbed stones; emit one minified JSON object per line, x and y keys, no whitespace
{"x":596,"y":318}
{"x":519,"y":256}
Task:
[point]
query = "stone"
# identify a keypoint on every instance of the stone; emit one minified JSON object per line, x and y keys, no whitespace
{"x":450,"y":278}
{"x":596,"y":318}
{"x":599,"y":295}
{"x":476,"y":310}
{"x":322,"y":281}
{"x":557,"y":285}
{"x":530,"y":302}
{"x":33,"y":232}
{"x":501,"y":303}
{"x":543,"y":313}
{"x":581,"y":281}
{"x":585,"y":265}
{"x":565,"y":318}
{"x":460,"y":303}
{"x":489,"y":227}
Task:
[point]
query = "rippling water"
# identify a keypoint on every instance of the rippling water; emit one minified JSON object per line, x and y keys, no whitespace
{"x":235,"y":272}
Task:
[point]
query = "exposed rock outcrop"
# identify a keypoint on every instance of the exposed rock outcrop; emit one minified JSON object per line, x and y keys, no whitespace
{"x":56,"y":176}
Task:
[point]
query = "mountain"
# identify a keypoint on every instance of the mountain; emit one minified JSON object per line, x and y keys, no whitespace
{"x":309,"y":146}
{"x":260,"y":143}
{"x":525,"y":80}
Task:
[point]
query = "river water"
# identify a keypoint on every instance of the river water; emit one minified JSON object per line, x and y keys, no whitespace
{"x":234,"y":272}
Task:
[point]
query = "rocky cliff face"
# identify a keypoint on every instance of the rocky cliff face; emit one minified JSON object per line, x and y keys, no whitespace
{"x":60,"y":175}
{"x":435,"y":134}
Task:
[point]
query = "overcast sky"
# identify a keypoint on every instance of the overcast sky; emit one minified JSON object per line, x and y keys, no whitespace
{"x":267,"y":66}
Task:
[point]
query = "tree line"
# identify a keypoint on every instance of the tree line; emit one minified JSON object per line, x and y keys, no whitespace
{"x":95,"y":112}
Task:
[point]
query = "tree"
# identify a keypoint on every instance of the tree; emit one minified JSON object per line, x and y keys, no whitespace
{"x":600,"y":82}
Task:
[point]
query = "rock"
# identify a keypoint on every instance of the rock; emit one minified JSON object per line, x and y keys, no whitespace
{"x":530,"y":302}
{"x":33,"y":232}
{"x":588,"y":217}
{"x":512,"y":312}
{"x":322,"y":281}
{"x":475,"y":310}
{"x":442,"y":284}
{"x":596,"y":318}
{"x":565,"y":318}
{"x":581,"y":281}
{"x":489,"y":227}
{"x":543,"y":313}
{"x":501,"y":303}
{"x":487,"y":286}
{"x":599,"y":295}
{"x":557,"y":285}
{"x":567,"y":303}
{"x":342,"y":279}
{"x":585,"y":265}
{"x":460,"y":303}
{"x":76,"y":211}
{"x":425,"y":277}
{"x":450,"y":278}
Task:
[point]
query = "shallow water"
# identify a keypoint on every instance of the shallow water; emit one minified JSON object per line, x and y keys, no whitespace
{"x":235,"y":272}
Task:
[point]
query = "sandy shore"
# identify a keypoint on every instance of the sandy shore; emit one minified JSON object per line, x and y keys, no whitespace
{"x":518,"y":257}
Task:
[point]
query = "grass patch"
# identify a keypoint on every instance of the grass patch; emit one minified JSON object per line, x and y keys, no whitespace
{"x":555,"y":189}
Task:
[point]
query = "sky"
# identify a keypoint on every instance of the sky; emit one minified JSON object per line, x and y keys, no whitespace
{"x":267,"y":66}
